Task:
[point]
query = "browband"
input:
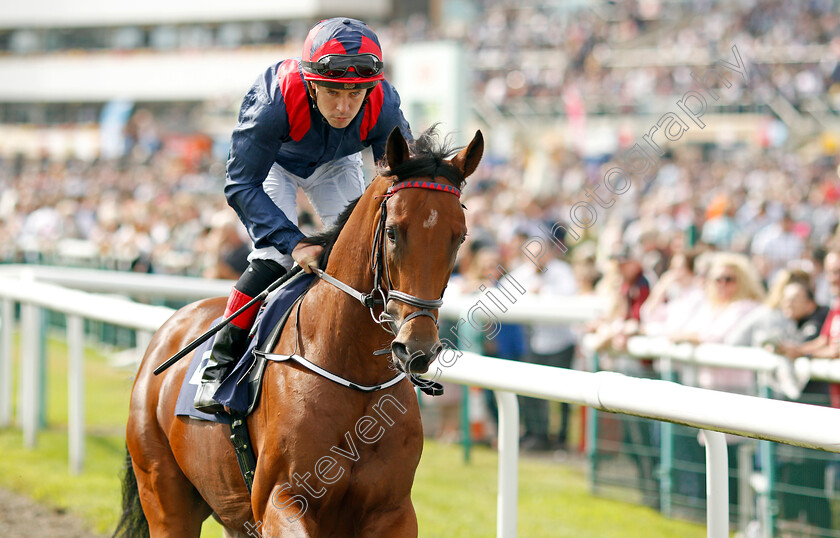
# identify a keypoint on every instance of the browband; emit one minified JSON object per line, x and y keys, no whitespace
{"x":422,"y":185}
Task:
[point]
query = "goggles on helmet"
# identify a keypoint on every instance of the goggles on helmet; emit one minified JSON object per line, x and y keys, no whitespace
{"x":337,"y":65}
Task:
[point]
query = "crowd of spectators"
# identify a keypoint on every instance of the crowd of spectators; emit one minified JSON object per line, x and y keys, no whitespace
{"x":536,"y":57}
{"x":163,"y":213}
{"x":627,"y":56}
{"x":735,"y":248}
{"x":156,"y":216}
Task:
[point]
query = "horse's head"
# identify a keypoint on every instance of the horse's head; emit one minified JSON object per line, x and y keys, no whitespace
{"x":423,"y":228}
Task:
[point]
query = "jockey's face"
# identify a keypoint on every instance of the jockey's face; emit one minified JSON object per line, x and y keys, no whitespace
{"x":338,"y":107}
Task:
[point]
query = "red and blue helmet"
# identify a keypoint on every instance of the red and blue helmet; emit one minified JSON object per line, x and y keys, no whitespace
{"x":342,"y":53}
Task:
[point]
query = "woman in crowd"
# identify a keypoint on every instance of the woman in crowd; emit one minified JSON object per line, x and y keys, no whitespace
{"x":674,"y":297}
{"x":733,"y":290}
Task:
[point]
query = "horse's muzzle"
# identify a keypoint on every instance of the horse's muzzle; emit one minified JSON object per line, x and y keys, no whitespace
{"x":413,"y":360}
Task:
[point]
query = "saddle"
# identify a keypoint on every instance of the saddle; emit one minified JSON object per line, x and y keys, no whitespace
{"x":240,"y":390}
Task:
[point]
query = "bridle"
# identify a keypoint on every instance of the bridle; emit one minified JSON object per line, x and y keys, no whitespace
{"x":379,"y":296}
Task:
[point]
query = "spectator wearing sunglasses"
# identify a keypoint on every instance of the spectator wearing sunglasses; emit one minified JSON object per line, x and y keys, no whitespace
{"x":733,"y":291}
{"x":302,"y":125}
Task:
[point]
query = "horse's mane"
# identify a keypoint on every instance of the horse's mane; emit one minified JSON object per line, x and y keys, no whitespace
{"x":328,"y":237}
{"x":428,"y":155}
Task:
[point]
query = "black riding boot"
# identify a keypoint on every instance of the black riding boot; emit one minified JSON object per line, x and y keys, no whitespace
{"x":231,"y":343}
{"x":232,"y":340}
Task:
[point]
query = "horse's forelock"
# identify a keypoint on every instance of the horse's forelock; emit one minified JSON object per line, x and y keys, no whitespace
{"x":433,"y":167}
{"x":430,"y":158}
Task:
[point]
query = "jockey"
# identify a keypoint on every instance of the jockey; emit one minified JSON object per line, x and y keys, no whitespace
{"x":303,"y":125}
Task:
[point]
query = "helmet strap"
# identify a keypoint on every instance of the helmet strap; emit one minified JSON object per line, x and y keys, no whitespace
{"x":310,"y":87}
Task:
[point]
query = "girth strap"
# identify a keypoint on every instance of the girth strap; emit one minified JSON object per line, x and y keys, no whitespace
{"x":241,"y":439}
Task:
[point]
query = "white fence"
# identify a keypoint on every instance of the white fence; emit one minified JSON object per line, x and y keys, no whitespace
{"x":521,"y":309}
{"x":712,"y":411}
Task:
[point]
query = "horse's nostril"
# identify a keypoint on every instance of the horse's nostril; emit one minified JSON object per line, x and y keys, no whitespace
{"x":401,"y":351}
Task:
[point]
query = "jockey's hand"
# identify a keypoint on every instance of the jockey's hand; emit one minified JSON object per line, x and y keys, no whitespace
{"x":307,"y":256}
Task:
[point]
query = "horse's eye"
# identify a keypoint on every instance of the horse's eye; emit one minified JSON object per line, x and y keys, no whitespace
{"x":463,"y":238}
{"x":391,"y":234}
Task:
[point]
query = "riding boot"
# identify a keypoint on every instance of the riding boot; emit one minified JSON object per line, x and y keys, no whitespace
{"x":231,"y":343}
{"x":232,"y":340}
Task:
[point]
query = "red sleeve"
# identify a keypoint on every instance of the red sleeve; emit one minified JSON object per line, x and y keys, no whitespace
{"x":372,"y":110}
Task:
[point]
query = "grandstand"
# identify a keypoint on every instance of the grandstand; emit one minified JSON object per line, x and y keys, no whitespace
{"x":529,"y":61}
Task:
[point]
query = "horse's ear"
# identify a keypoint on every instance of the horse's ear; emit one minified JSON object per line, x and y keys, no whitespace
{"x":396,"y":150}
{"x":467,"y":160}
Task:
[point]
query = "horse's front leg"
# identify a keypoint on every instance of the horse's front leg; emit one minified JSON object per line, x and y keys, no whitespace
{"x":282,"y":513}
{"x":400,"y":522}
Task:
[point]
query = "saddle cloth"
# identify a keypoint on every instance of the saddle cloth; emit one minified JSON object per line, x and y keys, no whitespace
{"x":240,"y":390}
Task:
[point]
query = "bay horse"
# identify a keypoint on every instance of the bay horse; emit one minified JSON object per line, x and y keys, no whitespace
{"x":331,"y":461}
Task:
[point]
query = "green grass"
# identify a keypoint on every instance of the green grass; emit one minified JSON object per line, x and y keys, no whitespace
{"x":453,"y":499}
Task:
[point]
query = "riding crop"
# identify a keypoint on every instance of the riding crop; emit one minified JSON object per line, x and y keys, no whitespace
{"x":216,"y":328}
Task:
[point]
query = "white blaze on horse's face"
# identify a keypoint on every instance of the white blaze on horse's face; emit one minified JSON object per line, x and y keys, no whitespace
{"x":427,"y":229}
{"x":420,"y":254}
{"x":432,"y":220}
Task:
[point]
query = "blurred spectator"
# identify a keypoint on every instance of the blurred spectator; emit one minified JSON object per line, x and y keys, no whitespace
{"x":775,"y":245}
{"x":720,"y":228}
{"x":627,"y":289}
{"x":827,"y":344}
{"x":768,"y":323}
{"x":674,"y":297}
{"x":550,"y":345}
{"x":733,"y":290}
{"x":227,"y":248}
{"x":798,"y":304}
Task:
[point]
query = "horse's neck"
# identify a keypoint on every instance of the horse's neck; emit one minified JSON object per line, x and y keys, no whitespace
{"x":342,"y":329}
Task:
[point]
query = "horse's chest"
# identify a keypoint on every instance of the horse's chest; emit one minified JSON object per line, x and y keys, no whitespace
{"x":347,"y":453}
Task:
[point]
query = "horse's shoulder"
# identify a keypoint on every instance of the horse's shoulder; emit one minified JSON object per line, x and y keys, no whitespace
{"x":210,"y":308}
{"x":193,"y":318}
